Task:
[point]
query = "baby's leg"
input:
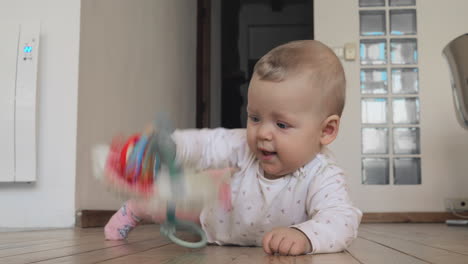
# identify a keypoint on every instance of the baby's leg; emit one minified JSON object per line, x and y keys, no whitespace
{"x":134,"y":212}
{"x":124,"y":220}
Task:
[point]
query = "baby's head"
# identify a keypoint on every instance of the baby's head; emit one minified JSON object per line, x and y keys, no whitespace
{"x":295,"y":100}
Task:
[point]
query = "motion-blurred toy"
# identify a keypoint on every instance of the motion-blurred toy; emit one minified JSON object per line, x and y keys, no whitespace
{"x":143,"y":167}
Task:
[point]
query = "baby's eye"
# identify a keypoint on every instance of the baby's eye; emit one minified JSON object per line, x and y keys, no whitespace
{"x":282,"y":125}
{"x":254,"y":118}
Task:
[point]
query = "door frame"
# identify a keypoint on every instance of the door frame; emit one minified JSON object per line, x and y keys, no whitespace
{"x":203,"y":79}
{"x":203,"y":62}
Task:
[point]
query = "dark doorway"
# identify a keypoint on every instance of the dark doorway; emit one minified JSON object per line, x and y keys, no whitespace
{"x":203,"y":63}
{"x":249,"y":29}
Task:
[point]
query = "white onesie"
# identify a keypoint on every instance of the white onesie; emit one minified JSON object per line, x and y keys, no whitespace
{"x":313,"y":199}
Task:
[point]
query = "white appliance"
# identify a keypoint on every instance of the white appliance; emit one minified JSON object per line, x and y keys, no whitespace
{"x":456,"y":53}
{"x":19,"y":49}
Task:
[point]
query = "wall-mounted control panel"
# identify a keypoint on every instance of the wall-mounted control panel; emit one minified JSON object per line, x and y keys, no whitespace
{"x":19,"y":50}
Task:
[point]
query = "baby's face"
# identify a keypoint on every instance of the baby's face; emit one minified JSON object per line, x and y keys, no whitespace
{"x":284,"y":124}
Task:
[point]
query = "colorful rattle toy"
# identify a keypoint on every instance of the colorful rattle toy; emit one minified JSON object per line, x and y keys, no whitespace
{"x":143,"y":167}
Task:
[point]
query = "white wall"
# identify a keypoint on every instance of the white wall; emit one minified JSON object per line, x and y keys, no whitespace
{"x":444,"y":144}
{"x":137,"y":58}
{"x":49,"y":202}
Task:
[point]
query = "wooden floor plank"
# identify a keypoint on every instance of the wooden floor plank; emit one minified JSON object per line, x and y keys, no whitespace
{"x":66,"y":252}
{"x":167,"y":254}
{"x":440,"y":236}
{"x":95,"y":239}
{"x":422,"y":251}
{"x":49,"y":241}
{"x":140,"y":235}
{"x":377,"y":243}
{"x":107,"y":253}
{"x":7,"y":239}
{"x":26,"y":243}
{"x":225,"y":254}
{"x":370,"y":252}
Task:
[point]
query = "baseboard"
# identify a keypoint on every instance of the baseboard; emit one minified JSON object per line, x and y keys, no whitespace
{"x":409,"y":217}
{"x":98,"y":218}
{"x":93,"y":218}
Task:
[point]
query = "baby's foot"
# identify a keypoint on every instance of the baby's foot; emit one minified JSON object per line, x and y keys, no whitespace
{"x":120,"y":224}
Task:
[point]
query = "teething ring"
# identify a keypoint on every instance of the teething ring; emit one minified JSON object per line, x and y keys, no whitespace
{"x":127,"y":149}
{"x":162,"y":156}
{"x":169,"y":230}
{"x":135,"y":166}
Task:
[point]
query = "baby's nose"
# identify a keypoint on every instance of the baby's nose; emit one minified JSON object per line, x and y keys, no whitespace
{"x":265,"y":133}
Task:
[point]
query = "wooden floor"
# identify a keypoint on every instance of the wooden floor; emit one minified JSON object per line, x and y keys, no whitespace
{"x":377,"y":243}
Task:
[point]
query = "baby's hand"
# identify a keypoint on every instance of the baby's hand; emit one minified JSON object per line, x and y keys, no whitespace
{"x":286,"y":241}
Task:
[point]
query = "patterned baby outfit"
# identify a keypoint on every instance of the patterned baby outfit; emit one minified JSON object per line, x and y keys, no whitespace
{"x":313,"y":199}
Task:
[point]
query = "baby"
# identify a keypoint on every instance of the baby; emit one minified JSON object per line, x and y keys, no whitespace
{"x":288,"y":194}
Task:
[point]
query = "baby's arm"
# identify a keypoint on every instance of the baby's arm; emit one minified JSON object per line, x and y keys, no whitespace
{"x":334,"y":220}
{"x":210,"y":148}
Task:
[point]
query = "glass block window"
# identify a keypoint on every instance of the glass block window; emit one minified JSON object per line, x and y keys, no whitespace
{"x":406,"y":140}
{"x":405,"y":81}
{"x":375,"y":171}
{"x":374,"y":110}
{"x":407,"y":171}
{"x":403,"y":22}
{"x":405,"y":110}
{"x":367,"y":3}
{"x":374,"y":140}
{"x":372,"y":23}
{"x":400,"y":2}
{"x":403,"y":51}
{"x":373,"y":51}
{"x":389,"y":88}
{"x":374,"y":81}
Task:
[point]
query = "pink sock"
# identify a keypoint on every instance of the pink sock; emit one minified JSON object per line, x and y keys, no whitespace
{"x":122,"y":222}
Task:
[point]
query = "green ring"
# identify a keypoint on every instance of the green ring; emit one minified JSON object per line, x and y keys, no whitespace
{"x":169,"y":230}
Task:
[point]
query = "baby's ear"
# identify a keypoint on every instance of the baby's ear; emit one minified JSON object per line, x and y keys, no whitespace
{"x":329,"y":129}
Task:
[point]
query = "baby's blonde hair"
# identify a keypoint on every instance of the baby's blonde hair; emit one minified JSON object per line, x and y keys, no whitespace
{"x":310,"y":57}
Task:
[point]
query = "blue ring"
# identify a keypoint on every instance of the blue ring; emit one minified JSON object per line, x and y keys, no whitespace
{"x":137,"y":155}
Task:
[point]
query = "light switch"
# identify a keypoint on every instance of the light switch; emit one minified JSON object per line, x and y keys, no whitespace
{"x":350,"y":51}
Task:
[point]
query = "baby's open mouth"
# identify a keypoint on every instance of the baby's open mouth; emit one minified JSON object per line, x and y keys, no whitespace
{"x":268,"y":153}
